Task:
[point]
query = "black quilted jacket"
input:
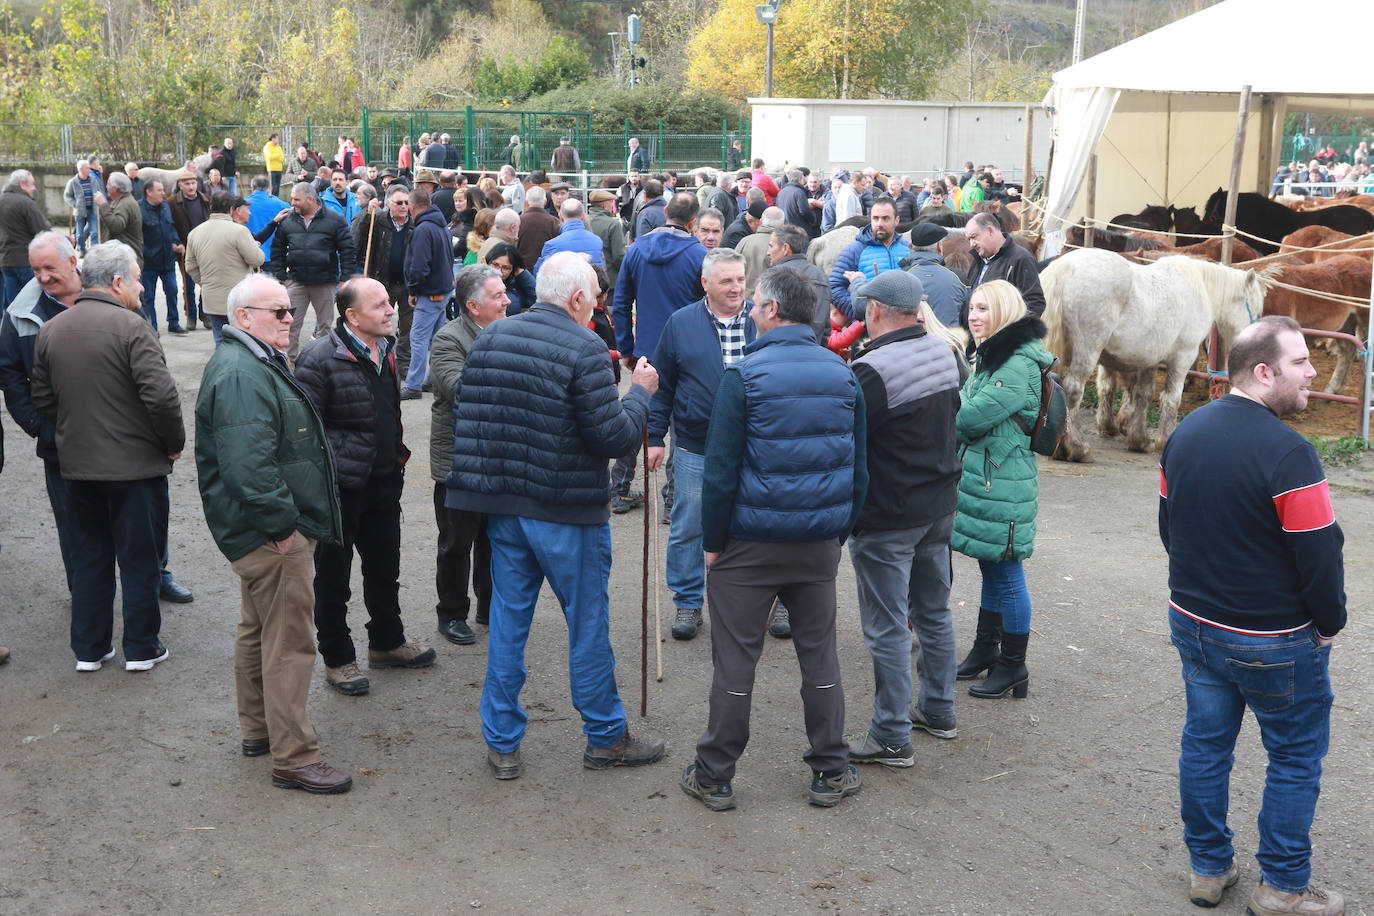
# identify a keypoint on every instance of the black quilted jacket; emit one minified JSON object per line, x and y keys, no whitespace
{"x":537,"y":418}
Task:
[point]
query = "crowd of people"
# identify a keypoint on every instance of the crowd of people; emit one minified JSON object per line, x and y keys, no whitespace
{"x":883,"y":404}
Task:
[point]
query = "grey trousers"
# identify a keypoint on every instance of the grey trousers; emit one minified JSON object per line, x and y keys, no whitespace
{"x":320,"y":297}
{"x":740,"y":589}
{"x":905,"y":575}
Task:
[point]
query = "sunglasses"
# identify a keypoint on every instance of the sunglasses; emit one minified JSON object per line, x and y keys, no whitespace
{"x":279,"y":313}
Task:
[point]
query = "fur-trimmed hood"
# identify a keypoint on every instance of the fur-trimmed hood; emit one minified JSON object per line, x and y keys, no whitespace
{"x":997,"y":349}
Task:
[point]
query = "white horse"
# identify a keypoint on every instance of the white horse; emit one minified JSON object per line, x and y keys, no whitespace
{"x":1132,"y":317}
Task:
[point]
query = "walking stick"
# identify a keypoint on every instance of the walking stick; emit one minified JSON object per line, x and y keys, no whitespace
{"x":185,"y":288}
{"x":644,"y":596}
{"x":658,"y":590}
{"x":367,"y":258}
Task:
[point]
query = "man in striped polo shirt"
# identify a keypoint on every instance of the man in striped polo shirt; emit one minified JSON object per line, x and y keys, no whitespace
{"x":1256,"y":596}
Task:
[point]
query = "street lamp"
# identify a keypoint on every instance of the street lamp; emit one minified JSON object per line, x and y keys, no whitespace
{"x":767,"y":14}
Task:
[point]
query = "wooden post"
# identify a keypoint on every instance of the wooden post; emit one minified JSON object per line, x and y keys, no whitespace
{"x":644,"y":591}
{"x":1026,"y":160}
{"x":1090,"y":206}
{"x":1215,"y":357}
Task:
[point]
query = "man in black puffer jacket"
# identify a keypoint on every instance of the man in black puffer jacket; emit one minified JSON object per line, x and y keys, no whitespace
{"x":350,"y":376}
{"x":535,"y":420}
{"x":312,"y":253}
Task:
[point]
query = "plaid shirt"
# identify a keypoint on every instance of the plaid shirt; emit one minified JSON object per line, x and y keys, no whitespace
{"x":731,"y":334}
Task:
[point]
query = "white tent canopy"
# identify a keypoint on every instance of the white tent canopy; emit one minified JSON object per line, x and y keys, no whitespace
{"x":1160,"y":111}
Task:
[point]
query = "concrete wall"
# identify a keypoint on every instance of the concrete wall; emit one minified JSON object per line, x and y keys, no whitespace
{"x":897,"y":136}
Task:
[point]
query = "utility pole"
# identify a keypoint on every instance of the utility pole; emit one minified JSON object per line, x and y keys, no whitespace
{"x":632,"y":35}
{"x":1079,"y":20}
{"x":767,"y":14}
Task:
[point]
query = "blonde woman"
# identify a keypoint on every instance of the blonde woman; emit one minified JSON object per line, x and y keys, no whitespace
{"x":998,"y":490}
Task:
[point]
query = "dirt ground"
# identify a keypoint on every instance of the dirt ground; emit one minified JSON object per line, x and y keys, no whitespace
{"x":125,"y":792}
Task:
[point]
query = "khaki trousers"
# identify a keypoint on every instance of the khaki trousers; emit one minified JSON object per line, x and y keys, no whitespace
{"x":321,"y":297}
{"x":274,"y":650}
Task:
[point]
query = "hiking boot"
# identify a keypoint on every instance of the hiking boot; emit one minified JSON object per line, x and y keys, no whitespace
{"x":146,"y":664}
{"x":718,"y":797}
{"x":629,"y":751}
{"x":781,"y":627}
{"x":875,"y":750}
{"x":1270,"y":901}
{"x":410,"y":394}
{"x":938,"y":726}
{"x":626,"y":502}
{"x":687,"y":623}
{"x":407,"y":655}
{"x":983,"y":655}
{"x":95,"y":665}
{"x":1206,"y":890}
{"x":828,"y":791}
{"x":317,"y":779}
{"x":504,"y":766}
{"x":347,"y":679}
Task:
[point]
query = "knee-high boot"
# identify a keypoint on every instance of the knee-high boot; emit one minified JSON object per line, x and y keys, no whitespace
{"x":983,"y":655}
{"x":1009,"y":675}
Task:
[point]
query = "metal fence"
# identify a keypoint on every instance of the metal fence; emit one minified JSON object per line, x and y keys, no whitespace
{"x":156,"y":144}
{"x":1301,"y":146}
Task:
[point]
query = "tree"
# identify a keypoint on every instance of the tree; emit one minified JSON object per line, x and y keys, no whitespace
{"x":826,"y":48}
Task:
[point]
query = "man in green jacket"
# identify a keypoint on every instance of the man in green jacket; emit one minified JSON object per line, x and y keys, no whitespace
{"x":267,"y":484}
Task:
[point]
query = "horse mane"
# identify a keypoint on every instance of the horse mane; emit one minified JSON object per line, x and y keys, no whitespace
{"x":1226,"y":285}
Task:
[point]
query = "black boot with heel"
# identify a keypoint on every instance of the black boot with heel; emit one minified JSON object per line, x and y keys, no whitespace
{"x":983,"y":655}
{"x":1009,"y":675}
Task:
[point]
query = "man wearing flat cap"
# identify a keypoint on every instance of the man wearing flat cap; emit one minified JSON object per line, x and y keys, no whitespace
{"x":900,"y":546}
{"x":602,"y":219}
{"x":944,"y":289}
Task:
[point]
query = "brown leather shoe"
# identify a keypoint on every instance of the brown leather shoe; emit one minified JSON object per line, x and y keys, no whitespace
{"x":317,"y":778}
{"x":256,"y":747}
{"x":407,"y":655}
{"x":4,"y":655}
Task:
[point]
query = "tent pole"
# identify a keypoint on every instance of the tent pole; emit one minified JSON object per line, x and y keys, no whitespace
{"x":1026,"y":160}
{"x":1215,"y":358}
{"x":1090,"y":205}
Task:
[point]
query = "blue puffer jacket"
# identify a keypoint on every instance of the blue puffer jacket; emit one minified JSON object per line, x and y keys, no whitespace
{"x":867,"y":256}
{"x":796,"y":482}
{"x":573,"y":236}
{"x":535,"y":419}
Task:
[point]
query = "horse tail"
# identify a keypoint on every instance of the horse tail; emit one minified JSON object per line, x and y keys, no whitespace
{"x":1052,"y":283}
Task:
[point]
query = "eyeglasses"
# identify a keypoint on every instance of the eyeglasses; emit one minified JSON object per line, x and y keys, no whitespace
{"x":279,"y":313}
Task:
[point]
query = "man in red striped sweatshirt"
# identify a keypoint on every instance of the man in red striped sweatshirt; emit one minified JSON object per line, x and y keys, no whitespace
{"x":1257,"y":594}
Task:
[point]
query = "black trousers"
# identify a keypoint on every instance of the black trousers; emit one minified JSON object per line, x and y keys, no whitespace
{"x":463,"y":551}
{"x":111,"y":521}
{"x":372,"y":524}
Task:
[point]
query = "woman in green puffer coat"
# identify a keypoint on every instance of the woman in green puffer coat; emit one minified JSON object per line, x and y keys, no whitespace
{"x":998,"y":490}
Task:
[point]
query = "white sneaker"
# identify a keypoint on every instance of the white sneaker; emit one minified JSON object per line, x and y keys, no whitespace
{"x":145,"y":664}
{"x":95,"y":666}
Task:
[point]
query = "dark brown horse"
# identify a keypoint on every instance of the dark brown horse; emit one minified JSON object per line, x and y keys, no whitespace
{"x":1259,"y":216}
{"x":1153,"y":218}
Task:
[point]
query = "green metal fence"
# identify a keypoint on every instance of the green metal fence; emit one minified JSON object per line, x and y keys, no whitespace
{"x":157,"y":144}
{"x":1302,"y":146}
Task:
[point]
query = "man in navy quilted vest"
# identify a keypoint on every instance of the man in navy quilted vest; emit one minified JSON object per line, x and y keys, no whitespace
{"x":785,"y":478}
{"x":536,"y":417}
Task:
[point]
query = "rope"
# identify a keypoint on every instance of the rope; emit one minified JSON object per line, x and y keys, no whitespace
{"x":1315,"y":294}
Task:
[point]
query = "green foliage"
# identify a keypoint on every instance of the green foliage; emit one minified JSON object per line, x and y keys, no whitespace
{"x":610,"y":103}
{"x":1347,"y":450}
{"x":561,"y":64}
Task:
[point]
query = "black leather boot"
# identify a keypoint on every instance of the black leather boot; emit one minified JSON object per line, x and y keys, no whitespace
{"x":1009,"y":675}
{"x":983,"y":655}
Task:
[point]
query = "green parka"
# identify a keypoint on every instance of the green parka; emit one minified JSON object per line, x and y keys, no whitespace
{"x":264,"y":464}
{"x":999,"y":490}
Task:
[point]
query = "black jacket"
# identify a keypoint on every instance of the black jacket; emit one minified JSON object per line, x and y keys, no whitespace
{"x":340,"y":385}
{"x":1017,"y":266}
{"x":383,"y":231}
{"x":319,"y":253}
{"x":736,"y":232}
{"x":429,"y":259}
{"x":18,"y":335}
{"x":796,"y":209}
{"x":535,"y":444}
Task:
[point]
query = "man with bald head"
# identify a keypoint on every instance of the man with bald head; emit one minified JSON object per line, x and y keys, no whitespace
{"x":252,"y":421}
{"x":572,"y":236}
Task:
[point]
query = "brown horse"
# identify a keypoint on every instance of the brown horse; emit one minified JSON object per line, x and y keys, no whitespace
{"x":1332,"y":243}
{"x":1345,"y":275}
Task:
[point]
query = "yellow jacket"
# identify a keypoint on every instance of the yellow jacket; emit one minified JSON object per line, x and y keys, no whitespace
{"x":273,"y":156}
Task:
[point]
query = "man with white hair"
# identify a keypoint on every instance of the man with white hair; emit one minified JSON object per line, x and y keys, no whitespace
{"x":537,"y":225}
{"x":312,"y":252}
{"x":754,"y":247}
{"x":80,"y":196}
{"x":530,"y":452}
{"x":512,"y":190}
{"x":505,"y":229}
{"x":638,"y":158}
{"x":252,"y":421}
{"x":100,"y":378}
{"x":21,"y":219}
{"x":121,"y":220}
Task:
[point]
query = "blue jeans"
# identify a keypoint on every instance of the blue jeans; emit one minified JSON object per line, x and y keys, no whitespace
{"x":686,"y":564}
{"x":151,"y":276}
{"x":85,"y":229}
{"x":576,"y":561}
{"x":429,"y":317}
{"x":1285,"y":680}
{"x":233,"y":183}
{"x":1004,"y":591}
{"x":217,"y":323}
{"x":905,"y":575}
{"x":14,"y":280}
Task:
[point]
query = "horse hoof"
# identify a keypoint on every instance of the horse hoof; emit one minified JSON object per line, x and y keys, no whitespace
{"x":1137,"y":445}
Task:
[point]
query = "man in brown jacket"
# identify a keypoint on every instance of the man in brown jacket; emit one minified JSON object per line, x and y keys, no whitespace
{"x":190,"y":207}
{"x":99,"y":375}
{"x":220,"y":253}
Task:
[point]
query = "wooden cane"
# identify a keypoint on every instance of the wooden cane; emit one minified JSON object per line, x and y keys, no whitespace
{"x":644,"y":595}
{"x":658,"y":571}
{"x":367,"y":258}
{"x":185,"y":287}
